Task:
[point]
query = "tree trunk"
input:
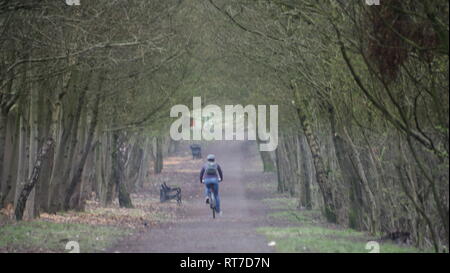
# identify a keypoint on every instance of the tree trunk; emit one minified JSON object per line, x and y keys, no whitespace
{"x":349,"y":174}
{"x":10,"y":176}
{"x":306,"y":172}
{"x":281,"y":176}
{"x":143,"y":170}
{"x":321,"y":173}
{"x":29,"y":185}
{"x":22,"y":166}
{"x":73,"y":107}
{"x":76,"y":179}
{"x":159,"y":155}
{"x":266,"y":158}
{"x":118,"y":172}
{"x":371,"y":203}
{"x":6,"y":103}
{"x":30,"y":211}
{"x":108,"y":169}
{"x":3,"y":119}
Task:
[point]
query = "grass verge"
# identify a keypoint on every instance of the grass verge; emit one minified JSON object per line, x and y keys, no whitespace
{"x":308,"y":232}
{"x":95,"y":230}
{"x":44,"y":236}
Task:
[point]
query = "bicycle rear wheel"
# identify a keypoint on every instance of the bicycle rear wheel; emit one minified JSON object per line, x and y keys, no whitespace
{"x":212,"y":204}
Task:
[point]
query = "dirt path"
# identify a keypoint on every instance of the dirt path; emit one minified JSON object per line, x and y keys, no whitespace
{"x":196,"y":231}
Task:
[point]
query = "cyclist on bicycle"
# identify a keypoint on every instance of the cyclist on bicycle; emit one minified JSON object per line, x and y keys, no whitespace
{"x":211,"y":173}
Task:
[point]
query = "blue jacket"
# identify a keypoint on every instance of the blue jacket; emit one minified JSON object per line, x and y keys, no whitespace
{"x":202,"y":172}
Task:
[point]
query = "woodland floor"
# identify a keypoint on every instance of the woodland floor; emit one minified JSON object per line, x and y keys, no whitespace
{"x":255,"y":218}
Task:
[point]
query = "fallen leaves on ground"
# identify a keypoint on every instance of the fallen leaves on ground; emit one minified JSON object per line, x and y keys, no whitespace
{"x":148,"y":211}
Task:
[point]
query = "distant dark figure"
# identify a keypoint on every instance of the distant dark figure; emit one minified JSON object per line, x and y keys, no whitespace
{"x":196,"y":151}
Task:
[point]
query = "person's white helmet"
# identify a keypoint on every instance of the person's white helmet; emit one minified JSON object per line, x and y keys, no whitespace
{"x":211,"y":157}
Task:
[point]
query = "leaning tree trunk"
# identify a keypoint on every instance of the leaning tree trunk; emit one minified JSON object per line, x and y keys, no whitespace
{"x":76,"y":179}
{"x":74,"y":105}
{"x":348,"y":172}
{"x":321,"y":173}
{"x":372,"y":205}
{"x":29,"y":185}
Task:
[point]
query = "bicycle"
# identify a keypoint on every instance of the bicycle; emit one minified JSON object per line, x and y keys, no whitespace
{"x":212,"y":200}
